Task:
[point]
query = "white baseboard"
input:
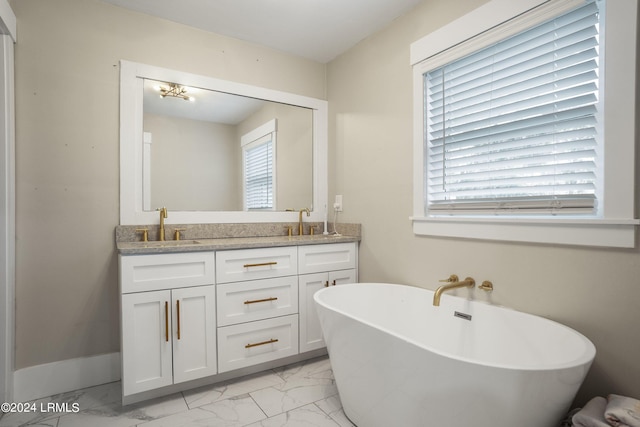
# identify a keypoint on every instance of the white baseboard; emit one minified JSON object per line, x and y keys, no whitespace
{"x":45,"y":380}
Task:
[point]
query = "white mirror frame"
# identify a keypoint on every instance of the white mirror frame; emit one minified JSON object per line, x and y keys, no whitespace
{"x":131,"y":134}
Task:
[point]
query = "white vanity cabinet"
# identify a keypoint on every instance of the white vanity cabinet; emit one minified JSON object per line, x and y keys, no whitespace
{"x":325,"y":265}
{"x":193,"y":318}
{"x":168,"y":319}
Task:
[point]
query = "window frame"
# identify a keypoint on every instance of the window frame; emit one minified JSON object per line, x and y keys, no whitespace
{"x":614,"y":225}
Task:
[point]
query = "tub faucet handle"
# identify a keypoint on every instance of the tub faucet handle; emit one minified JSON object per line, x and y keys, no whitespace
{"x":486,"y":286}
{"x":453,"y":278}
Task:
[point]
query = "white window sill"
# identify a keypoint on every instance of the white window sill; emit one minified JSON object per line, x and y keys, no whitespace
{"x":562,"y":231}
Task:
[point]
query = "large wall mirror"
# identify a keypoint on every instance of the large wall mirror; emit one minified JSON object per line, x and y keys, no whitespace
{"x":212,"y":150}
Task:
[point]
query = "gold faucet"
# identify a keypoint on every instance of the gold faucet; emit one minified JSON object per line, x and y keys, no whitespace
{"x":453,"y":283}
{"x":163,"y":215}
{"x":300,"y":229}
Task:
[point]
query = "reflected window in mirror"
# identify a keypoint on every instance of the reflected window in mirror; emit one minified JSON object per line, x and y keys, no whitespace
{"x":259,"y":166}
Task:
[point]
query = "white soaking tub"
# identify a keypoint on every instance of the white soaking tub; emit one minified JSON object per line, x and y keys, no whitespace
{"x":400,"y":361}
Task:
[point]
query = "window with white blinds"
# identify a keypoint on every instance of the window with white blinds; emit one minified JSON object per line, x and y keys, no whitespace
{"x":258,"y":174}
{"x":516,"y":127}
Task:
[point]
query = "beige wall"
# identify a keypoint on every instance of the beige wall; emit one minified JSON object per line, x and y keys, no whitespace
{"x":596,"y":291}
{"x":67,"y":148}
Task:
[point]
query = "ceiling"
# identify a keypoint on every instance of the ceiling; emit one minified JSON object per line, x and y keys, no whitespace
{"x":319,"y":30}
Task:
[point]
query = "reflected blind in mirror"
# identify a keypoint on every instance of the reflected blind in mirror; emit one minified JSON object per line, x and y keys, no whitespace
{"x":258,"y":167}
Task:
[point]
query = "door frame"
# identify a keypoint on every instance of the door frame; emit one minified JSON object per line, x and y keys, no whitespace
{"x":7,"y":200}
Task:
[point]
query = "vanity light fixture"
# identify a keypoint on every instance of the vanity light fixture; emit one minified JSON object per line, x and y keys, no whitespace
{"x":175,"y":91}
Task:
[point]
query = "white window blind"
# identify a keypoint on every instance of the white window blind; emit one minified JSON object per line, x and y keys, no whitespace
{"x":258,"y":176}
{"x":515,"y":127}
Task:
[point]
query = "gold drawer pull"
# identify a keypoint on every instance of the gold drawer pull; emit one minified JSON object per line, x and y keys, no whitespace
{"x":262,"y":264}
{"x":271,"y":341}
{"x":261,"y":300}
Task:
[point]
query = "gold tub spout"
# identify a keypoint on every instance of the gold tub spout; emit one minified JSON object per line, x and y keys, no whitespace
{"x":453,"y":284}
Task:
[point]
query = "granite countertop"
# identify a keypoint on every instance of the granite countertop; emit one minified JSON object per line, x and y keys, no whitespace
{"x":194,"y":245}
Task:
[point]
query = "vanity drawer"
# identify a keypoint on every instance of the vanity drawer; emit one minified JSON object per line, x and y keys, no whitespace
{"x":140,"y":273}
{"x":319,"y":258}
{"x":256,"y":300}
{"x":251,"y":343}
{"x":252,"y":264}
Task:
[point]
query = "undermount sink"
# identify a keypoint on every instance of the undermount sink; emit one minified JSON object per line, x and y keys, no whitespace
{"x":170,"y":243}
{"x":314,"y":237}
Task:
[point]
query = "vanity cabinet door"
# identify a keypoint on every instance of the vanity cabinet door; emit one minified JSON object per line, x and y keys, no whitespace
{"x":146,"y":341}
{"x":308,"y":284}
{"x":168,"y":337}
{"x":310,"y":332}
{"x":342,"y":277}
{"x":194,"y":333}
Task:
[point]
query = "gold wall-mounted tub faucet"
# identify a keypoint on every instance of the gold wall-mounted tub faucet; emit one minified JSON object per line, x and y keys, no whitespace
{"x":452,"y":283}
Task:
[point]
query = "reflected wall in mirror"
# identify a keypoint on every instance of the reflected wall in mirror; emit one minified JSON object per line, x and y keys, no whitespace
{"x":190,"y":156}
{"x":193,"y":155}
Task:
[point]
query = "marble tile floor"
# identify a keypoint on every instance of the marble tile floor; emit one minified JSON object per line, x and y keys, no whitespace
{"x":302,"y":394}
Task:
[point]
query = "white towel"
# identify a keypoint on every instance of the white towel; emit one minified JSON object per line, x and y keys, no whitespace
{"x":592,"y":415}
{"x":622,"y":411}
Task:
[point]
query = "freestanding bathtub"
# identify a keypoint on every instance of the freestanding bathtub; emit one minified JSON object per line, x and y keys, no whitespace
{"x":400,"y":361}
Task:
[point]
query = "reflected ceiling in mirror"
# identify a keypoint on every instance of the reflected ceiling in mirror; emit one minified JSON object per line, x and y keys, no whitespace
{"x":194,"y":155}
{"x":200,"y":104}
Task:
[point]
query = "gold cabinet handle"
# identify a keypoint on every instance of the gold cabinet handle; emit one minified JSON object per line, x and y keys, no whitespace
{"x":255,"y":301}
{"x":271,"y":341}
{"x":262,"y":264}
{"x":166,"y":321}
{"x":178,"y":315}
